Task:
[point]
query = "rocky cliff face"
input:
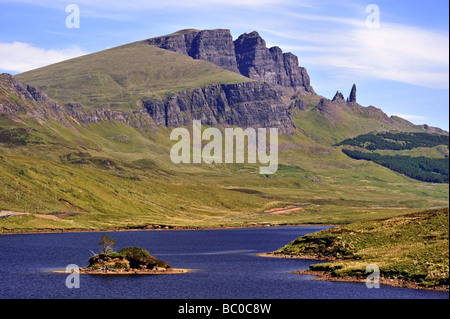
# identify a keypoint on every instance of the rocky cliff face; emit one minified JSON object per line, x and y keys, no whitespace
{"x":136,"y":118}
{"x":252,"y":104}
{"x":21,"y":98}
{"x":215,"y":46}
{"x":18,"y":98}
{"x":247,"y":55}
{"x":258,"y":62}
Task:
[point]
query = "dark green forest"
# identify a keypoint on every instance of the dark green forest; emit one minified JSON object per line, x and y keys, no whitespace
{"x":396,"y":141}
{"x":433,"y":170}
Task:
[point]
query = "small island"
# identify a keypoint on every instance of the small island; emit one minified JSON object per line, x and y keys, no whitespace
{"x":128,"y":261}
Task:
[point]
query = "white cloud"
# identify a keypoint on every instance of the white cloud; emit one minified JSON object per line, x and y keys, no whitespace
{"x":342,"y":45}
{"x":410,"y":117}
{"x":326,"y":35}
{"x":127,"y":10}
{"x":328,"y":19}
{"x":402,"y":53}
{"x":21,"y":57}
{"x":118,"y":5}
{"x":394,"y":52}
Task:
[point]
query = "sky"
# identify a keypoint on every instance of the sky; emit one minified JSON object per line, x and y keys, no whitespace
{"x":396,"y":52}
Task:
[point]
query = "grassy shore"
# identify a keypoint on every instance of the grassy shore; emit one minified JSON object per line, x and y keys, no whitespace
{"x":410,"y":250}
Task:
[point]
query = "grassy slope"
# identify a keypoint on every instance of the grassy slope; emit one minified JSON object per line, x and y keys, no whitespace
{"x":116,"y":78}
{"x":123,"y":176}
{"x":431,"y":152}
{"x":133,"y":183}
{"x":411,"y":247}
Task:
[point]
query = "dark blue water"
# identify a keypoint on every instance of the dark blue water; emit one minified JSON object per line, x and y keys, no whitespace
{"x":224,"y":260}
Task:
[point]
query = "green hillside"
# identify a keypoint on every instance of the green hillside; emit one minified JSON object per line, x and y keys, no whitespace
{"x":410,"y":247}
{"x":132,"y":183}
{"x":421,"y":156}
{"x":116,"y":78}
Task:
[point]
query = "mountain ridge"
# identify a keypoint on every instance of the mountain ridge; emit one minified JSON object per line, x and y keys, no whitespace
{"x":247,"y":55}
{"x":99,"y":92}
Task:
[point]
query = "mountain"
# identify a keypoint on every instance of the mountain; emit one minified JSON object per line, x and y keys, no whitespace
{"x":247,"y":55}
{"x":85,"y":143}
{"x":148,"y":76}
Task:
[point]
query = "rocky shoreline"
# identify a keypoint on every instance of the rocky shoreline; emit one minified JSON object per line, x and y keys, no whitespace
{"x":118,"y":272}
{"x":326,"y":276}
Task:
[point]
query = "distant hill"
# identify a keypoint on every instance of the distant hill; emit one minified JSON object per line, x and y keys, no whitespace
{"x":116,"y":78}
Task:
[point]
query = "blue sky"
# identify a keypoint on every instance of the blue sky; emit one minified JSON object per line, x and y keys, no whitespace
{"x":402,"y":66}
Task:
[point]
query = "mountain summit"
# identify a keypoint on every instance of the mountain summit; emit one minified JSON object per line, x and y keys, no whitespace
{"x":247,"y":55}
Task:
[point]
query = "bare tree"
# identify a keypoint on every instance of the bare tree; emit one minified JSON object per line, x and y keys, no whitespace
{"x":107,"y":243}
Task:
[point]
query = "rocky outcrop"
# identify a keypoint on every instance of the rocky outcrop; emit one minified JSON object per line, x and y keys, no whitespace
{"x":179,"y":42}
{"x":298,"y":104}
{"x":251,"y":104}
{"x":21,"y":98}
{"x":352,"y":96}
{"x":258,"y":62}
{"x":26,"y":99}
{"x":136,"y":118}
{"x":247,"y":55}
{"x":329,"y":109}
{"x":215,"y":46}
{"x":338,"y":98}
{"x":30,"y":92}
